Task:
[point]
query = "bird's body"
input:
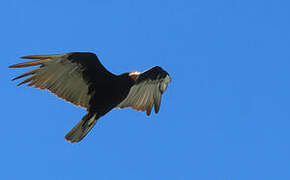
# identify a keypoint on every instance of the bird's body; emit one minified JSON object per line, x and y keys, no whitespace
{"x":81,"y":79}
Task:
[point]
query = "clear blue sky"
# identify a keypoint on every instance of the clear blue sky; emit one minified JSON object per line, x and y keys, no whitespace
{"x":225,"y":116}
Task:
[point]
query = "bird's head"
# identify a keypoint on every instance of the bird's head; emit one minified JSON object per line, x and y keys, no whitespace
{"x":134,"y":75}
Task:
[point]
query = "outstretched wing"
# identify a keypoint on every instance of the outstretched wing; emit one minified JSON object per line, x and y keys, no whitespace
{"x":147,"y":90}
{"x":71,"y":76}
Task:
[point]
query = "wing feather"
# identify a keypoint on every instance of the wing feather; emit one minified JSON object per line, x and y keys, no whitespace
{"x":147,"y":91}
{"x":157,"y":99}
{"x":66,"y":75}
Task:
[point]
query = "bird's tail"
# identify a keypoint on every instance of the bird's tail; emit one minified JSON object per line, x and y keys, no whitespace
{"x":82,"y":128}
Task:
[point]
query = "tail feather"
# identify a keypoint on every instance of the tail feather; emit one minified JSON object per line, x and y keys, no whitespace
{"x":82,"y":128}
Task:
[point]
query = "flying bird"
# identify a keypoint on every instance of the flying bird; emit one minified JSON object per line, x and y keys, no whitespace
{"x":81,"y":79}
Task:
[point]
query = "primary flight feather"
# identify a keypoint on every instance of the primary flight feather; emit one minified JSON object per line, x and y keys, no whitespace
{"x":81,"y":79}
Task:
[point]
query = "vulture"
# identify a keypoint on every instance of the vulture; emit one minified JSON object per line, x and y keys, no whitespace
{"x":82,"y":80}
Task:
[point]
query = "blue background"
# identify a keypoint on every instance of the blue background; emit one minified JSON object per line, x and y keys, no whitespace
{"x":225,"y":116}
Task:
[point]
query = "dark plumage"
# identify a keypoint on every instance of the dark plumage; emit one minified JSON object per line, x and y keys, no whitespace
{"x":81,"y":79}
